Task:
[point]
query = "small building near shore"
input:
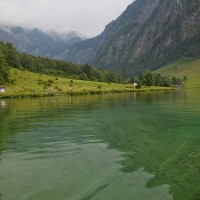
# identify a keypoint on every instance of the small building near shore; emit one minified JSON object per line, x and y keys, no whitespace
{"x":2,"y":88}
{"x":135,"y":84}
{"x":177,"y":86}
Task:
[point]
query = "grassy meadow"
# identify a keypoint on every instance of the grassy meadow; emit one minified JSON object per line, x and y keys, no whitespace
{"x":28,"y":84}
{"x":184,"y":67}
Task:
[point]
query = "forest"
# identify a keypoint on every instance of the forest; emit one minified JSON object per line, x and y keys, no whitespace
{"x":9,"y":57}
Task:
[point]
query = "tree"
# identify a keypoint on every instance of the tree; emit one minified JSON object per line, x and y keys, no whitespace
{"x":87,"y":69}
{"x":166,"y":82}
{"x":146,"y":78}
{"x":83,"y":76}
{"x":149,"y":80}
{"x":111,"y":77}
{"x":4,"y":71}
{"x":142,"y":76}
{"x":133,"y":79}
{"x":138,"y":86}
{"x":157,"y":79}
{"x":12,"y":56}
{"x":176,"y":81}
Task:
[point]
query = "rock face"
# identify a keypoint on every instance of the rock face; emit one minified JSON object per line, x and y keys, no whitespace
{"x":37,"y":42}
{"x":148,"y":34}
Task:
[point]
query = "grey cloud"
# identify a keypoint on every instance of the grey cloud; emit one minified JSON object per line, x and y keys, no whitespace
{"x":86,"y":16}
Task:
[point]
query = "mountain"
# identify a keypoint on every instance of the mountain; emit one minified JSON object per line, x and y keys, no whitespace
{"x":183,"y":67}
{"x":148,"y":34}
{"x":38,"y":42}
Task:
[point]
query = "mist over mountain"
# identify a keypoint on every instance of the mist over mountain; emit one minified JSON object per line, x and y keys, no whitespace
{"x":38,"y":42}
{"x":148,"y":34}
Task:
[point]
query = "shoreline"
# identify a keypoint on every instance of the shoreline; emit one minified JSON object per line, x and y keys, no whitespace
{"x":84,"y":92}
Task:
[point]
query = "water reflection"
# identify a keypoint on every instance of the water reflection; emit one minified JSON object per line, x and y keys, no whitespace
{"x":3,"y":104}
{"x":74,"y":171}
{"x":101,"y":147}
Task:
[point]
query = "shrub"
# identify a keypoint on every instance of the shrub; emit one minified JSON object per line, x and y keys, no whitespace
{"x":138,"y":86}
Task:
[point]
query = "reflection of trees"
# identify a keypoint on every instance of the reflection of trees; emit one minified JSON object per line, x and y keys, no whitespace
{"x":150,"y":128}
{"x":157,"y":133}
{"x":22,"y":115}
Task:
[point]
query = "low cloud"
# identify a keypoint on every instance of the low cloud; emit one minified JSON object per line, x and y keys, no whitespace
{"x":88,"y":16}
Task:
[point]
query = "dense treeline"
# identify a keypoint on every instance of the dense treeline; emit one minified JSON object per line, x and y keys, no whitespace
{"x":10,"y":57}
{"x":4,"y":72}
{"x":148,"y":78}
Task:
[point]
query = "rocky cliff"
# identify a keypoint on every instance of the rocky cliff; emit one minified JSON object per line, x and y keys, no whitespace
{"x":148,"y":34}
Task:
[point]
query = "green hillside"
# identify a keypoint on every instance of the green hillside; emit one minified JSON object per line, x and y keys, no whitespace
{"x":184,"y":67}
{"x":9,"y":57}
{"x":29,"y":84}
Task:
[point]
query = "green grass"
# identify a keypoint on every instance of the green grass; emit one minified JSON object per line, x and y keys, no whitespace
{"x":29,"y":84}
{"x":184,"y":67}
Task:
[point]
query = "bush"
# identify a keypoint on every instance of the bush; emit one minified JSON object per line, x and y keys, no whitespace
{"x":138,"y":86}
{"x":99,"y":86}
{"x":50,"y":81}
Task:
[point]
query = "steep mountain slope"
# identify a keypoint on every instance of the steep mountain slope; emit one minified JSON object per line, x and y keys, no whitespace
{"x":37,"y":42}
{"x":187,"y":67}
{"x":148,"y":34}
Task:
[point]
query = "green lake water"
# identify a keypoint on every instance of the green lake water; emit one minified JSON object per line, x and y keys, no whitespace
{"x":143,"y":146}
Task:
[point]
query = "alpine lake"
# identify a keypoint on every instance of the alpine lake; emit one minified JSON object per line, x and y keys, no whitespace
{"x":136,"y":146}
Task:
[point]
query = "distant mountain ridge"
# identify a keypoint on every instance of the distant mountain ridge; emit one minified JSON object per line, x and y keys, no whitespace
{"x":38,"y":42}
{"x":148,"y":34}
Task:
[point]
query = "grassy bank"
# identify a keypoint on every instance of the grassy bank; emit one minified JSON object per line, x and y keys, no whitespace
{"x":184,"y":67}
{"x":28,"y":84}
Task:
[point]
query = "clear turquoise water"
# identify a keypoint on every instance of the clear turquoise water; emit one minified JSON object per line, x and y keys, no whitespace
{"x":143,"y":146}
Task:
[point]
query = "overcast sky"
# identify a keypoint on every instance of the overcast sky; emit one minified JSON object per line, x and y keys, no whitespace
{"x":86,"y":16}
